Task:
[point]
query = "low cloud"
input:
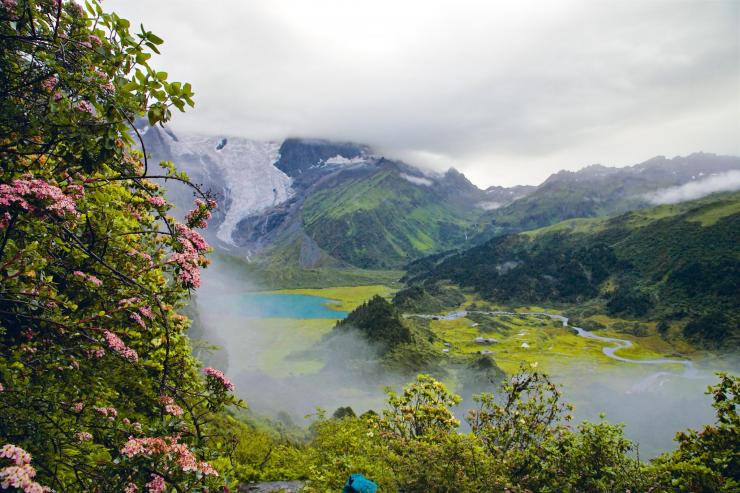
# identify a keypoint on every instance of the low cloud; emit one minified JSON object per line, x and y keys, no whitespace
{"x":724,"y":182}
{"x":507,"y":92}
{"x":417,"y":180}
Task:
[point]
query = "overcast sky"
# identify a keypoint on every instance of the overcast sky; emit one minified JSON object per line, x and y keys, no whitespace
{"x":507,"y":92}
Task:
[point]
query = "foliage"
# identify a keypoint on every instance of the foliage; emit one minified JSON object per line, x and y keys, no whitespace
{"x":421,"y":410}
{"x":379,"y":322}
{"x":707,"y":460}
{"x":97,"y":381}
{"x":520,"y":442}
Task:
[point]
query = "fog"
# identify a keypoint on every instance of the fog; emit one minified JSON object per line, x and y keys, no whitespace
{"x":723,"y":182}
{"x":259,"y":355}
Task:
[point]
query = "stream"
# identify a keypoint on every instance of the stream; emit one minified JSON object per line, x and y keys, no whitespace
{"x":610,"y":351}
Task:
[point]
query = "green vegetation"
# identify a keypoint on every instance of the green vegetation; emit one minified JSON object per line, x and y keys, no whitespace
{"x":379,"y":322}
{"x":279,"y":270}
{"x":518,"y":442}
{"x":99,"y":390}
{"x":381,"y":220}
{"x":675,"y":263}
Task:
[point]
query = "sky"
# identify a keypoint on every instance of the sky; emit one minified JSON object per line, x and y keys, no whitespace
{"x":506,"y":92}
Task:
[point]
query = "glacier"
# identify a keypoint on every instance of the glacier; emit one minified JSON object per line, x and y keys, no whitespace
{"x":244,"y":166}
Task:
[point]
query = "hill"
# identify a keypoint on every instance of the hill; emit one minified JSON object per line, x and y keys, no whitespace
{"x":672,"y":262}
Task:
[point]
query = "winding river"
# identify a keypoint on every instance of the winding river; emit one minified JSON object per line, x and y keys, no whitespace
{"x":610,"y":351}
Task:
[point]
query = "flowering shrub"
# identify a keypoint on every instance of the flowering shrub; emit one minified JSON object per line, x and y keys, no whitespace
{"x":20,"y":474}
{"x":98,"y":380}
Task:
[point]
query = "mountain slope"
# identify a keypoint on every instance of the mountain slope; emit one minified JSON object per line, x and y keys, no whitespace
{"x":310,"y":203}
{"x":383,"y":218}
{"x":669,"y":262}
{"x":602,"y":191}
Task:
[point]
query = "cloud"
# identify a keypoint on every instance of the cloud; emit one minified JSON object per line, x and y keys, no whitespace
{"x":723,"y":182}
{"x":417,"y":180}
{"x":508,"y":92}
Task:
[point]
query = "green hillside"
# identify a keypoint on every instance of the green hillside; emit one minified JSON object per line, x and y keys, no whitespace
{"x":381,"y":220}
{"x":678,"y":262}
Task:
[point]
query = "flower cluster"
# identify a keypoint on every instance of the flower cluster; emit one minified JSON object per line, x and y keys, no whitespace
{"x":88,"y":277}
{"x":169,"y":448}
{"x":218,"y":376}
{"x":198,"y":217}
{"x":85,"y":107}
{"x":49,"y":84}
{"x":108,"y":412}
{"x":139,"y":321}
{"x":156,"y":485}
{"x":157,"y":201}
{"x":189,"y":260}
{"x":37,"y":196}
{"x":190,"y":239}
{"x":9,"y":5}
{"x":20,"y":475}
{"x":83,"y":436}
{"x":169,"y":406}
{"x":147,"y":312}
{"x":117,"y":345}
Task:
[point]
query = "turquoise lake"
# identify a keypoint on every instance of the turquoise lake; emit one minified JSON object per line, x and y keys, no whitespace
{"x":272,"y":305}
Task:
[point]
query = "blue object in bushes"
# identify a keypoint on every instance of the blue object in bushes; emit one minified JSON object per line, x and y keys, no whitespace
{"x":357,"y":483}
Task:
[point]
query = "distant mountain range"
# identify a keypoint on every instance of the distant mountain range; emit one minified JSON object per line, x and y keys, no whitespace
{"x":313,"y":204}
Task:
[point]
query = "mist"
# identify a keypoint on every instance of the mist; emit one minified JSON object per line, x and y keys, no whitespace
{"x":653,"y":402}
{"x":723,"y":182}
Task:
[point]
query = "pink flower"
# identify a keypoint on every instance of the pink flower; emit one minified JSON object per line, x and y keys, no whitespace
{"x":78,"y":407}
{"x":168,"y":447}
{"x":88,"y":277}
{"x":4,"y":220}
{"x":49,"y":83}
{"x":117,"y":345}
{"x":157,"y":201}
{"x":10,"y":4}
{"x":75,"y":191}
{"x":189,"y":238}
{"x":85,"y":106}
{"x":218,"y":376}
{"x":2,"y":389}
{"x":147,"y":312}
{"x":17,"y":455}
{"x":37,"y":196}
{"x":108,"y":412}
{"x":137,"y":318}
{"x":94,"y":40}
{"x":169,"y":406}
{"x":83,"y":436}
{"x":109,"y":87}
{"x":198,"y":217}
{"x":156,"y":485}
{"x":131,"y":488}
